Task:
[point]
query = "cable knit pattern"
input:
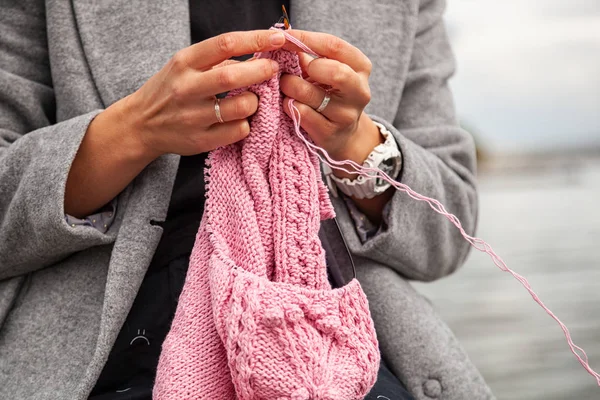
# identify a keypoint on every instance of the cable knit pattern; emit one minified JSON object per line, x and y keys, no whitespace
{"x":257,"y":318}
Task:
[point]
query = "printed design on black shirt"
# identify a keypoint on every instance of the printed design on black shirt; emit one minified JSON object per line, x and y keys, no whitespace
{"x":141,"y":336}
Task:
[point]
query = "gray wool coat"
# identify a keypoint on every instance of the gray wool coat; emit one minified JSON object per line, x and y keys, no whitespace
{"x":66,"y":291}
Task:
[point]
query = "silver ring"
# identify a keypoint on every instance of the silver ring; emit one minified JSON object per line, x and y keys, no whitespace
{"x":218,"y":110}
{"x":324,"y":102}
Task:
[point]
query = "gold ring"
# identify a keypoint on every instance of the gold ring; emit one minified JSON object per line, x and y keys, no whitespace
{"x":218,"y":110}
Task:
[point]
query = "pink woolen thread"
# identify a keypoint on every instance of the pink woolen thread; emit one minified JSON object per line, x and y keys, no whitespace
{"x":257,"y":318}
{"x":439,"y":208}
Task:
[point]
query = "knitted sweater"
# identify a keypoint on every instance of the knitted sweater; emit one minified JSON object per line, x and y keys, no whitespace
{"x":257,"y":318}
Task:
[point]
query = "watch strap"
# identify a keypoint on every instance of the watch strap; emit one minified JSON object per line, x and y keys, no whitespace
{"x":363,"y":187}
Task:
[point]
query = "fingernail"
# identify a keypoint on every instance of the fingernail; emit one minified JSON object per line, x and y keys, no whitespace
{"x":275,"y":66}
{"x":245,"y":128}
{"x":277,"y":39}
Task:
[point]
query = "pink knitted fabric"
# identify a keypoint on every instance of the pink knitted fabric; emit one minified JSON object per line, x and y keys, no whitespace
{"x":257,"y":318}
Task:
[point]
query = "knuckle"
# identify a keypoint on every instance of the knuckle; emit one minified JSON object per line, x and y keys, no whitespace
{"x":334,"y":45}
{"x":337,"y":78}
{"x":178,"y":92}
{"x":365,"y":96}
{"x":307,"y":94}
{"x":226,"y":43}
{"x":259,"y":42}
{"x":301,"y":36}
{"x":179,"y":62}
{"x":226,"y":77}
{"x":341,"y":75}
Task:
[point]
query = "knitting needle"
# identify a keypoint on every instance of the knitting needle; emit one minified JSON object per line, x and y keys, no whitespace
{"x":347,"y":249}
{"x":286,"y":19}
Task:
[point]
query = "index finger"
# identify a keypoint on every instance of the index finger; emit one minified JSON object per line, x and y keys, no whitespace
{"x":209,"y":52}
{"x":330,"y":46}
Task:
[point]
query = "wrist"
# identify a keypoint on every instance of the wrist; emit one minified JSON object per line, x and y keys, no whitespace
{"x":362,"y":143}
{"x":108,"y":159}
{"x":133,"y":132}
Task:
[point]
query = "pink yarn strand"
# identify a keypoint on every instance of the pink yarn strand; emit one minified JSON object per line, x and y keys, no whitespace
{"x":295,"y":41}
{"x":439,"y":208}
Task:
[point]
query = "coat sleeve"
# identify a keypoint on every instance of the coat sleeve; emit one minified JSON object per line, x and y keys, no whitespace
{"x":35,"y":152}
{"x":438,"y":161}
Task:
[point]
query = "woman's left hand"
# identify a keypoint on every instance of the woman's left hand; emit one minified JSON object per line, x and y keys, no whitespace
{"x":342,"y":128}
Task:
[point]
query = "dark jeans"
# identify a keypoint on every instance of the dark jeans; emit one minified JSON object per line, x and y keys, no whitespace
{"x":388,"y":387}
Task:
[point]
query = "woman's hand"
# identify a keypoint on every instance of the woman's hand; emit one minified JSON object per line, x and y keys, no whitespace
{"x":173,"y":112}
{"x":342,"y":128}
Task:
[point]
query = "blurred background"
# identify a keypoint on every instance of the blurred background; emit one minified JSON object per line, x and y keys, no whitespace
{"x":528,"y":88}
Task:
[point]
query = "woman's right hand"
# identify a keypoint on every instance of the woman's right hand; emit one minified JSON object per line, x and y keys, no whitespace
{"x":173,"y":112}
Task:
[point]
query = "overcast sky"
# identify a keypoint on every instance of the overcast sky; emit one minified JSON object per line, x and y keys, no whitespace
{"x":528,"y":71}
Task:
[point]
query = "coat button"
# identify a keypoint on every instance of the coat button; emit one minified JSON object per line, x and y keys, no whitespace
{"x":432,"y":388}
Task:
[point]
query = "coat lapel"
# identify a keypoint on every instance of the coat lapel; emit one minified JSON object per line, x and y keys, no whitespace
{"x":127,"y":41}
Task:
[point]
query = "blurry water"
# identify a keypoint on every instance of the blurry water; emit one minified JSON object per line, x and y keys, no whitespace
{"x":544,"y":220}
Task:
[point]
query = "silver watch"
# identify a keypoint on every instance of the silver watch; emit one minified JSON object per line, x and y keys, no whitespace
{"x":385,"y":156}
